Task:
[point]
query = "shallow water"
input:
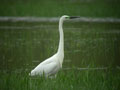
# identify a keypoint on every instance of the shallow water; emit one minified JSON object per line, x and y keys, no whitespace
{"x":25,"y":45}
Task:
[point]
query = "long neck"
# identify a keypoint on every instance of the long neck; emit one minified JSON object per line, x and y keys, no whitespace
{"x":61,"y":41}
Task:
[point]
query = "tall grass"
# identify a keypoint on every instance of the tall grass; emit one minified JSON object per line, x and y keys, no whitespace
{"x":70,"y":80}
{"x":86,"y":45}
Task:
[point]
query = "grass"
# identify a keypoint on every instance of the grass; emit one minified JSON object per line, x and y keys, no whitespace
{"x":86,"y":45}
{"x":70,"y":80}
{"x":41,"y":8}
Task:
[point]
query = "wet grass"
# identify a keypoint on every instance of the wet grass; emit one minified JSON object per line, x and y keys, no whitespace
{"x":70,"y":80}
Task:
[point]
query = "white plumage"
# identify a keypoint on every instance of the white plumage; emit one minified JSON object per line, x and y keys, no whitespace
{"x":49,"y":67}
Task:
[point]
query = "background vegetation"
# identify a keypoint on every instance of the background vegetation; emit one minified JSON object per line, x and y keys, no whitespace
{"x":55,"y":8}
{"x":89,"y":45}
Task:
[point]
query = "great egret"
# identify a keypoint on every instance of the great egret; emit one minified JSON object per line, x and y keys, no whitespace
{"x":52,"y":65}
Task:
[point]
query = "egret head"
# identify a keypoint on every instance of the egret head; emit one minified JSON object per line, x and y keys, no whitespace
{"x":69,"y":17}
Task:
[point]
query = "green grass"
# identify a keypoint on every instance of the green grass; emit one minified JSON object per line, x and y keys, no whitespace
{"x":65,"y":80}
{"x":86,"y":45}
{"x":55,"y":8}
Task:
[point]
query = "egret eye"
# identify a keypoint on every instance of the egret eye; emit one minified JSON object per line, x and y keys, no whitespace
{"x":67,"y":17}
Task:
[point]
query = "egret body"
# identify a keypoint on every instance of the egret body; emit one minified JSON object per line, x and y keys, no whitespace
{"x":52,"y":65}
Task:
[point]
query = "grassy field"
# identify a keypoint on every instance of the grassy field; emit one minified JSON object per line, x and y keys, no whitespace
{"x":86,"y":45}
{"x":55,"y":8}
{"x":23,"y":45}
{"x":66,"y":80}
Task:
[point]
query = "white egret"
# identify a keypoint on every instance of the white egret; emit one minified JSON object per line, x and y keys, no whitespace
{"x":52,"y":65}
